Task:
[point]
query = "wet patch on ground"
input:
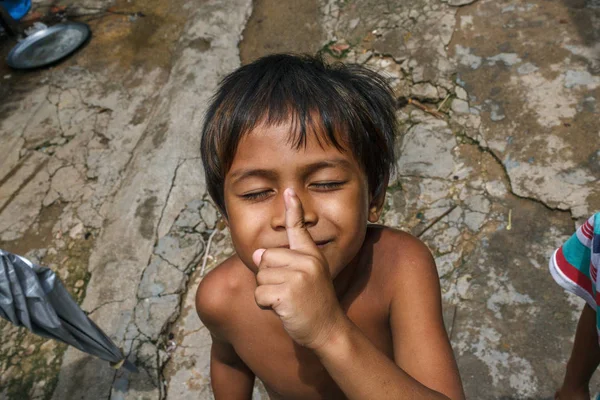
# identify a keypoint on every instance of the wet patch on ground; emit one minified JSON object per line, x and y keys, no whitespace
{"x":281,"y":27}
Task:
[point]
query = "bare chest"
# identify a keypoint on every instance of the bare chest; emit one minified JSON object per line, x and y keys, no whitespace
{"x":290,"y":371}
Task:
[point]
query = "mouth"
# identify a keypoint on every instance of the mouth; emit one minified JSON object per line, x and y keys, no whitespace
{"x":320,"y":244}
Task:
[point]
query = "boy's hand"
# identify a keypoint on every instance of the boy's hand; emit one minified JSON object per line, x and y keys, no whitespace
{"x":296,"y":282}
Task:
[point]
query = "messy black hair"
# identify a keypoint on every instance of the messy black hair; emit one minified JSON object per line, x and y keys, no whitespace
{"x":347,"y":106}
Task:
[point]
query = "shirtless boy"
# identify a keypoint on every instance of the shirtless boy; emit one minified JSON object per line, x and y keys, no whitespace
{"x":316,"y":303}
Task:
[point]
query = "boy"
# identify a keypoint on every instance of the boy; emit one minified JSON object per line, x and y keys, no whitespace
{"x":315,"y":303}
{"x":574,"y":266}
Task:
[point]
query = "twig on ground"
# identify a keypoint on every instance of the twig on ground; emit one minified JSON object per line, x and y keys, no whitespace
{"x":428,"y":110}
{"x":443,"y":102}
{"x":435,"y":221}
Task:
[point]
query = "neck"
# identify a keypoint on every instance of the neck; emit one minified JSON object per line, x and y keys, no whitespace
{"x":344,"y":279}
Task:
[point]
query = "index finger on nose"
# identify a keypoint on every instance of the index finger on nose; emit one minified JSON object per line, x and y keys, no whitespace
{"x":298,"y":236}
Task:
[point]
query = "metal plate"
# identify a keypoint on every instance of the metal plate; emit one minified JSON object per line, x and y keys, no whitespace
{"x":49,"y":45}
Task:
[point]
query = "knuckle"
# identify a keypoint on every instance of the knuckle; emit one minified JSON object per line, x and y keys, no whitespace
{"x":260,"y":277}
{"x":258,"y":294}
{"x":299,"y":277}
{"x":265,"y":255}
{"x":287,"y":292}
{"x":313,"y":263}
{"x":267,"y":258}
{"x":260,"y":297}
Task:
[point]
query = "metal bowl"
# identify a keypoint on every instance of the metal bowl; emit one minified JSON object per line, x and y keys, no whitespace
{"x":48,"y":45}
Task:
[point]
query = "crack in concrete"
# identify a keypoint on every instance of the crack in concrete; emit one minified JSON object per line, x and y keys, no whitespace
{"x":57,"y":107}
{"x":99,"y":109}
{"x":194,"y":347}
{"x":162,"y":294}
{"x":93,"y":310}
{"x":116,"y":373}
{"x":164,"y":259}
{"x":390,"y":56}
{"x":61,"y":167}
{"x":170,"y":322}
{"x":139,"y":331}
{"x":431,"y":178}
{"x":169,"y":325}
{"x":188,"y":333}
{"x":162,"y":386}
{"x":484,"y":149}
{"x":451,"y":333}
{"x":39,"y":107}
{"x":173,"y":179}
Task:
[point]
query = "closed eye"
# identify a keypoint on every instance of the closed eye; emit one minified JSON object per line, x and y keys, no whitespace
{"x":256,"y":196}
{"x":325,"y":186}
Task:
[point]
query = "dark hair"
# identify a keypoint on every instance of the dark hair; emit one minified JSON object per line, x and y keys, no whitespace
{"x":348,"y":106}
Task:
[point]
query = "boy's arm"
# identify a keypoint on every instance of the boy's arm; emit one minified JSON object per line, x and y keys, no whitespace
{"x":584,"y":359}
{"x":424,"y":365}
{"x":230,"y":377}
{"x":296,"y":284}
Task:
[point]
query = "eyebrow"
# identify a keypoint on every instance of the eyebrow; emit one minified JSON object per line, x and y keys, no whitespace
{"x":307,"y":170}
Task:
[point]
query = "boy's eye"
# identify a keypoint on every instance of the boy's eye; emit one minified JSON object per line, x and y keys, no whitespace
{"x":327,"y":185}
{"x":254,"y":196}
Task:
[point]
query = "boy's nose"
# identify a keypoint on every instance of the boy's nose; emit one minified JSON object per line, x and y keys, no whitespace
{"x":278,"y":216}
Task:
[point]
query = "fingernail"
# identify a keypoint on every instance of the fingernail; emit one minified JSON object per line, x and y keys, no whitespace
{"x":257,"y":256}
{"x":291,"y":192}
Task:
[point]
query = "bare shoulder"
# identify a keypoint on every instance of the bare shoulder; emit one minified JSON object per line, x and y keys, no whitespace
{"x":401,"y":260}
{"x":407,"y":271}
{"x":219,"y":290}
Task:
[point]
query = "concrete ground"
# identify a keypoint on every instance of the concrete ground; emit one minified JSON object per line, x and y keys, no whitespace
{"x":100,"y":176}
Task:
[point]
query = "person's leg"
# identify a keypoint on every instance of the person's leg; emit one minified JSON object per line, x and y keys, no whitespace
{"x":584,"y":359}
{"x":8,"y":23}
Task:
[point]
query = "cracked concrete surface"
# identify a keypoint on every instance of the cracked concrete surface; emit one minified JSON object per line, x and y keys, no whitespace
{"x":498,"y":160}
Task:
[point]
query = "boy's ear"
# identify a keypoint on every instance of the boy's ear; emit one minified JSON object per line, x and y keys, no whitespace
{"x":222,"y":223}
{"x":223,"y":219}
{"x":377,"y":200}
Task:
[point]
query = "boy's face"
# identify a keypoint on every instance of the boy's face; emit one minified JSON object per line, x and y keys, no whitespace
{"x":331,"y":185}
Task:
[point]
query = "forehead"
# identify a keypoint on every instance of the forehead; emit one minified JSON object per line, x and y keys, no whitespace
{"x":277,"y":146}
